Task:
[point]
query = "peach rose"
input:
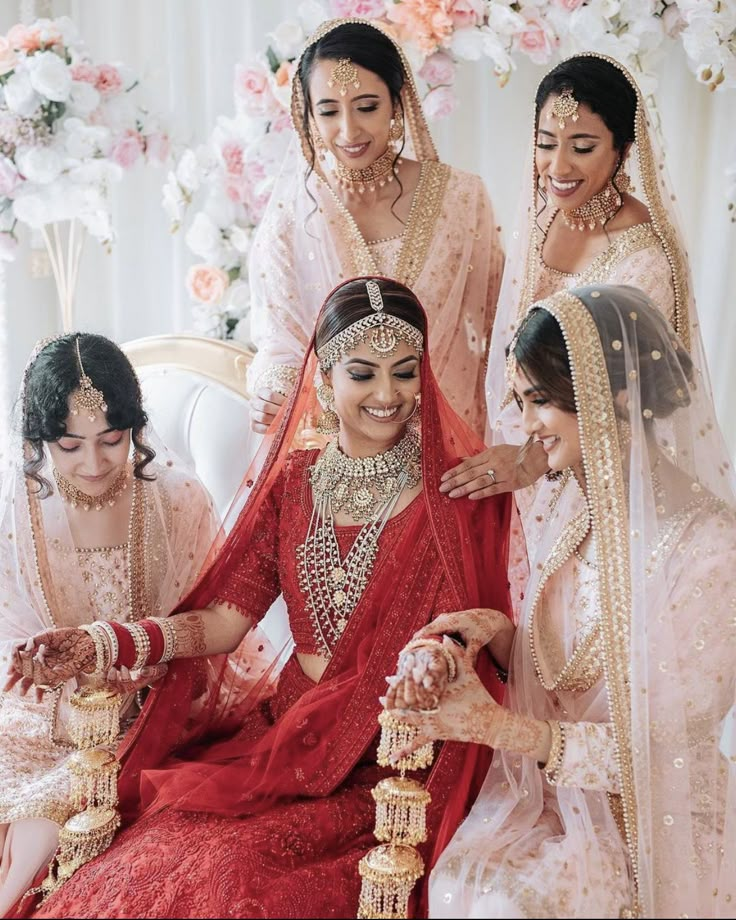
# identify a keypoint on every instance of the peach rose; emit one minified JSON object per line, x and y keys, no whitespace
{"x":282,"y":76}
{"x":427,"y":20}
{"x":207,"y":284}
{"x":22,"y":38}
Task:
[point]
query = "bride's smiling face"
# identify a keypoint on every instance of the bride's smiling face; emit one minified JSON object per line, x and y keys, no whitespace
{"x":375,"y":396}
{"x":354,"y":127}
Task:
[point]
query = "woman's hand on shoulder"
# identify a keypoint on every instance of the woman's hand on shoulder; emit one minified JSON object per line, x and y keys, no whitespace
{"x":503,"y":468}
{"x":264,"y":406}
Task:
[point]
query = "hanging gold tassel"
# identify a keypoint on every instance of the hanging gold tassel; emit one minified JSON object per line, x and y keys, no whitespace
{"x":95,"y":779}
{"x":396,"y":735}
{"x":95,"y":717}
{"x":389,"y":873}
{"x":401,"y":811}
{"x":93,"y":723}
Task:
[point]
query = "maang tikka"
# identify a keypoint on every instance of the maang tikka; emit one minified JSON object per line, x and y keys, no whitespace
{"x":345,"y":75}
{"x":565,"y":106}
{"x":87,"y":396}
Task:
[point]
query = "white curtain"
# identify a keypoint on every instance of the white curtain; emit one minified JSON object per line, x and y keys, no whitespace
{"x":185,"y":51}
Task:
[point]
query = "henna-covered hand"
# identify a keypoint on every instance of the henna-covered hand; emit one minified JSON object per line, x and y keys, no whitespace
{"x":477,"y":627}
{"x":421,"y":678}
{"x":125,"y":681}
{"x":49,"y":659}
{"x":467,"y":712}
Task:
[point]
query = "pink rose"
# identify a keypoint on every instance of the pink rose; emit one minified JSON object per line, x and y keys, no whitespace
{"x":84,"y":73}
{"x":282,"y":122}
{"x":438,"y":69}
{"x":8,"y":59}
{"x":537,"y":40}
{"x":127,"y":149}
{"x":569,"y":5}
{"x":232,"y":157}
{"x":252,"y":90}
{"x":9,"y":177}
{"x":467,"y":14}
{"x":366,"y":9}
{"x":439,"y":103}
{"x":207,"y":284}
{"x":109,"y":82}
{"x":158,"y":147}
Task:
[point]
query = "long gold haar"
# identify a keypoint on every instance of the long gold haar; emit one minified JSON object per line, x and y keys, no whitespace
{"x":368,"y":489}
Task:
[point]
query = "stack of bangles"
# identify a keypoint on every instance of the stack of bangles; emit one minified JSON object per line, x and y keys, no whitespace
{"x":132,"y":645}
{"x":435,"y":642}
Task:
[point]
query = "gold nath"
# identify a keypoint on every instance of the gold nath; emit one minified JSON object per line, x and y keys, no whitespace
{"x":87,"y":397}
{"x":565,"y":106}
{"x":382,"y":331}
{"x":345,"y":75}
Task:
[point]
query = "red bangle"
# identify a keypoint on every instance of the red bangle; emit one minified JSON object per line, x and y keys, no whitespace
{"x":156,"y":638}
{"x":126,"y":647}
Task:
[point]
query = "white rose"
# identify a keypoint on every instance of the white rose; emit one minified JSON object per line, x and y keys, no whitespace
{"x":20,"y":96}
{"x":34,"y":210}
{"x":38,"y":164}
{"x":187,"y":171}
{"x":203,"y":238}
{"x":468,"y":44}
{"x":69,"y":33}
{"x":240,"y":239}
{"x":83,"y":98}
{"x":311,"y":14}
{"x":174,"y":201}
{"x":50,"y":76}
{"x":82,"y":140}
{"x":288,"y":38}
{"x":221,"y":210}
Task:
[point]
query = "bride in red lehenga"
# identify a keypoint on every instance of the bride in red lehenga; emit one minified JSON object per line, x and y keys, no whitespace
{"x":258,"y":804}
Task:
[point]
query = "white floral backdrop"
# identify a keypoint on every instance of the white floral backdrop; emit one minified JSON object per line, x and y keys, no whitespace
{"x":186,"y":51}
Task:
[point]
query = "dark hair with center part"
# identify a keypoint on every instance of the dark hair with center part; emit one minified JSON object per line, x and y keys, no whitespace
{"x":55,"y":375}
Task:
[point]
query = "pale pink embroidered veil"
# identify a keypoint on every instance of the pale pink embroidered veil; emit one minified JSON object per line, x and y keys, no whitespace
{"x":662,"y":508}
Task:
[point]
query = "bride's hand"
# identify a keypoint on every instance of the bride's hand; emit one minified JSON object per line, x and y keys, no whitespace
{"x":124,"y":681}
{"x":473,"y":476}
{"x":422,"y":675}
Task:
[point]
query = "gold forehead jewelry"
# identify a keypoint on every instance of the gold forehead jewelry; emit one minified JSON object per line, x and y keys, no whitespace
{"x":87,"y":397}
{"x":382,"y":330}
{"x":565,"y":106}
{"x":345,"y":74}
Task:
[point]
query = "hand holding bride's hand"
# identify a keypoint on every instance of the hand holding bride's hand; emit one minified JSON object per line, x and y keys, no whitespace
{"x":49,"y":659}
{"x":503,"y":468}
{"x":476,"y":627}
{"x":421,"y":677}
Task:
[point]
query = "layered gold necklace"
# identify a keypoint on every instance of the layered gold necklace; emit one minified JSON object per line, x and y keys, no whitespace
{"x":368,"y":489}
{"x":79,"y":499}
{"x":378,"y":173}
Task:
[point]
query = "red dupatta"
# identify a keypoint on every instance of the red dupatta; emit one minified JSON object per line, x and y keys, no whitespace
{"x":313,"y":747}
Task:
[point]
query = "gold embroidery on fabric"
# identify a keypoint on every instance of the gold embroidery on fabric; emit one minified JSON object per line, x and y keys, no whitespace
{"x":674,"y":527}
{"x":426,"y":208}
{"x":608,"y":509}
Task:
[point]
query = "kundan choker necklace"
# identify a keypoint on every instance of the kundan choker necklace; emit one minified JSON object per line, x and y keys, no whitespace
{"x":378,"y":173}
{"x":596,"y":210}
{"x":78,"y":499}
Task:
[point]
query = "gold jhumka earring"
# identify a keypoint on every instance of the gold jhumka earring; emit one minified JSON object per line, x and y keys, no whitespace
{"x":344,"y":75}
{"x":329,"y":421}
{"x":94,"y":726}
{"x":87,"y":397}
{"x":390,"y":871}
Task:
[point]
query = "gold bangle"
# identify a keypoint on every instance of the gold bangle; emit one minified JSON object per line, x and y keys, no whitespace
{"x":142,"y":645}
{"x":102,"y":649}
{"x":169,"y":634}
{"x":556,"y":751}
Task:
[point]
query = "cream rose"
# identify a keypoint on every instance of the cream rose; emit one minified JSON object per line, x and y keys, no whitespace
{"x":207,"y":283}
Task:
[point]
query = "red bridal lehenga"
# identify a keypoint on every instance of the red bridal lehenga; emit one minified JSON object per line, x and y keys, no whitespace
{"x":270,"y":817}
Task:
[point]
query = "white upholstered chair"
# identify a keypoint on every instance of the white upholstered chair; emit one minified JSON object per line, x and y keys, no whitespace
{"x":194,"y":393}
